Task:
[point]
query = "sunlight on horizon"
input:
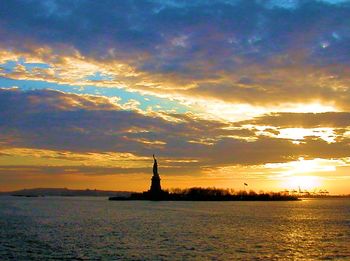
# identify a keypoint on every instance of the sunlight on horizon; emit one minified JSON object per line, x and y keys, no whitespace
{"x":302,"y":183}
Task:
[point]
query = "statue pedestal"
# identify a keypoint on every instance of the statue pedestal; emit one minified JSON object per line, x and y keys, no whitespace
{"x":155,"y":184}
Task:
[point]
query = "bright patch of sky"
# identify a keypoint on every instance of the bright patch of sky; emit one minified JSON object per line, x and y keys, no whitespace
{"x":9,"y":66}
{"x":146,"y":101}
{"x":31,"y":66}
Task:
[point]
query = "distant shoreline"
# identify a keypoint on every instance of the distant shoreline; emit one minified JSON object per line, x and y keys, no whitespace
{"x":65,"y":192}
{"x":128,"y":195}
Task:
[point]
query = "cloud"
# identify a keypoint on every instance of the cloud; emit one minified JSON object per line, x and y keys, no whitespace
{"x":58,"y":121}
{"x":302,"y":120}
{"x":227,"y":85}
{"x":225,"y":60}
{"x":233,"y":52}
{"x":62,"y":121}
{"x":59,"y":170}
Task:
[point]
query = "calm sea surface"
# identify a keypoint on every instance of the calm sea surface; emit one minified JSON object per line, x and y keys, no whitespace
{"x":81,"y":228}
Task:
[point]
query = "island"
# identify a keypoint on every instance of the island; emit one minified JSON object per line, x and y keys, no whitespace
{"x":156,"y":193}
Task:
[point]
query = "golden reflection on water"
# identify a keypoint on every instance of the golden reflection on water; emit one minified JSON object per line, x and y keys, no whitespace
{"x":95,"y":228}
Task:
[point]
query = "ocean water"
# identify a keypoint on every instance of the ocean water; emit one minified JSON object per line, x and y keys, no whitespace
{"x":82,"y":228}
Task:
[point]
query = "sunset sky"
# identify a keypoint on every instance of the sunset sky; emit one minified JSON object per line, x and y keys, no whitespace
{"x":224,"y":92}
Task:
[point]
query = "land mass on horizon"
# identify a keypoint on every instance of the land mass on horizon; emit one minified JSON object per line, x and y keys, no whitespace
{"x":198,"y":194}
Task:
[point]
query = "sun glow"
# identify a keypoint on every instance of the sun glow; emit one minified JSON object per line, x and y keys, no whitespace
{"x":236,"y":111}
{"x":302,"y":183}
{"x":304,"y":175}
{"x":305,"y":166}
{"x":327,"y":134}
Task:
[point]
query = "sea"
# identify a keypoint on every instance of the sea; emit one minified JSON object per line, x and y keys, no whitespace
{"x":93,"y":228}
